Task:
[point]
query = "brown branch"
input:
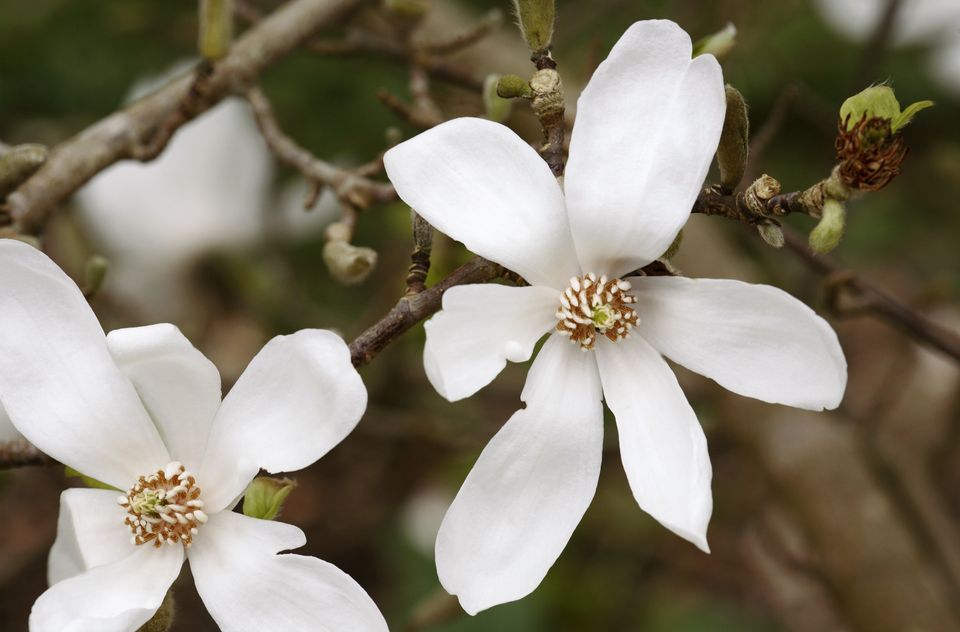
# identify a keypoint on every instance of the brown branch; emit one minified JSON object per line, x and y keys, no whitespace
{"x":349,"y":186}
{"x":72,"y":163}
{"x":20,"y":453}
{"x":413,"y":308}
{"x":489,"y":23}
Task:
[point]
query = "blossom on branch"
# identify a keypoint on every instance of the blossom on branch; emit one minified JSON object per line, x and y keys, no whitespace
{"x":647,"y":128}
{"x":140,"y":410}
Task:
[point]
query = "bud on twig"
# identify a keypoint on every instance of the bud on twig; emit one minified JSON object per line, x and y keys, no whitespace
{"x":771,"y":233}
{"x":734,"y":144}
{"x":19,"y":163}
{"x":216,"y":28}
{"x":265,"y":496}
{"x":347,"y":263}
{"x":535,"y":18}
{"x":497,"y":107}
{"x":513,"y":87}
{"x":95,"y":274}
{"x":826,"y":235}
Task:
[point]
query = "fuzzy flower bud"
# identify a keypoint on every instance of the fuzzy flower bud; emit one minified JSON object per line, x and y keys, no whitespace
{"x":826,"y":235}
{"x":513,"y":87}
{"x":734,"y":141}
{"x":535,"y":18}
{"x":718,"y":44}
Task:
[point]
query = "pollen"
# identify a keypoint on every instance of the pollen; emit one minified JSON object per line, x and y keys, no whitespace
{"x":164,"y":507}
{"x":593,"y":307}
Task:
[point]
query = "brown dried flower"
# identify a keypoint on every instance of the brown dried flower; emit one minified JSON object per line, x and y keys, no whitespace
{"x":870,"y":153}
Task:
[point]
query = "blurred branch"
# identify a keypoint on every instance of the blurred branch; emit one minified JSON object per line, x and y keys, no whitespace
{"x":352,"y":187}
{"x":19,"y":453}
{"x":876,"y":46}
{"x":490,"y":22}
{"x":413,"y":308}
{"x":122,"y":134}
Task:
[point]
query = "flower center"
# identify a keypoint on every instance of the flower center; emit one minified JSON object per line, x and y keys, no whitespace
{"x":164,"y":507}
{"x":594,"y":306}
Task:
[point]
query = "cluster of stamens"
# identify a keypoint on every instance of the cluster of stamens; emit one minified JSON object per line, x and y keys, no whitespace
{"x":592,"y":307}
{"x":164,"y":507}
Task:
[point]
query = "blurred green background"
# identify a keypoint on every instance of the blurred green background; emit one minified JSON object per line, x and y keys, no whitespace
{"x":66,"y":64}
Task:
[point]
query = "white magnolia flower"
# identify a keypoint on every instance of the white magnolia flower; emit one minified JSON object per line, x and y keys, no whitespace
{"x":140,"y":409}
{"x":647,"y":127}
{"x":207,"y":190}
{"x":930,"y":22}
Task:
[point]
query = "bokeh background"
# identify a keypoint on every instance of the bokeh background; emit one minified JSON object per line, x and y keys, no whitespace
{"x":841,"y":521}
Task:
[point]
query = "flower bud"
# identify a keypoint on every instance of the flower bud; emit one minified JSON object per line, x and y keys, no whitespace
{"x":718,"y":44}
{"x":347,"y":263}
{"x":513,"y":87}
{"x":535,"y":18}
{"x":216,"y":28}
{"x":497,"y":108}
{"x":19,"y":163}
{"x":265,"y":496}
{"x":734,"y":144}
{"x":95,"y":272}
{"x":826,"y":235}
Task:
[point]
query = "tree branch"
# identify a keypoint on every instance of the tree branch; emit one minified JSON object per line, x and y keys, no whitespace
{"x":72,"y":163}
{"x":19,"y":453}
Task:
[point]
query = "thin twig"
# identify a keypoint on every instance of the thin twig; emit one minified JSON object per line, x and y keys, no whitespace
{"x":348,"y":185}
{"x":489,"y":23}
{"x":20,"y":453}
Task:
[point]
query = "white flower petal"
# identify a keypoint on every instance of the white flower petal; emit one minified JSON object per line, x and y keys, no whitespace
{"x":529,"y":488}
{"x":647,"y":127}
{"x":117,"y":597}
{"x":7,"y":431}
{"x":178,"y":385}
{"x":754,"y":340}
{"x":299,"y":397}
{"x":480,"y":183}
{"x":90,"y":533}
{"x":247,"y":588}
{"x":58,"y":382}
{"x":662,"y":445}
{"x":479,"y":329}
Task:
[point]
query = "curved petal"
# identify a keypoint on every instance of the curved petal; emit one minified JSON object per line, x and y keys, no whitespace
{"x":178,"y":385}
{"x":7,"y":431}
{"x":662,"y":445}
{"x":529,"y":488}
{"x":479,"y":329}
{"x":647,"y":127}
{"x":754,"y":340}
{"x":90,"y":533}
{"x":299,"y":397}
{"x":247,"y":588}
{"x":480,"y":183}
{"x":58,"y":382}
{"x":117,"y":597}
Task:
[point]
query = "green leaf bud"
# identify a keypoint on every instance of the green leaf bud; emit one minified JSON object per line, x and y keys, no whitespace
{"x":827,"y":234}
{"x":265,"y":496}
{"x":879,"y":102}
{"x":513,"y":87}
{"x":216,"y":28}
{"x":718,"y":44}
{"x":497,"y":108}
{"x":347,"y":263}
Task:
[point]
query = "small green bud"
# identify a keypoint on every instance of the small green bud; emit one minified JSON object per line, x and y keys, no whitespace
{"x":879,"y":102}
{"x":513,"y":87}
{"x":69,"y":472}
{"x":497,"y":108}
{"x":347,"y":263}
{"x":265,"y":496}
{"x":94,"y":274}
{"x":536,"y":18}
{"x":162,"y":620}
{"x":216,"y":28}
{"x":718,"y":44}
{"x":19,"y":163}
{"x":734,"y":144}
{"x":827,"y":234}
{"x":771,"y":233}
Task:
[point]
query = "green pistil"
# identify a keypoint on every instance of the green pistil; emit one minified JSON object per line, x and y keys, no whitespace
{"x":603,"y":317}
